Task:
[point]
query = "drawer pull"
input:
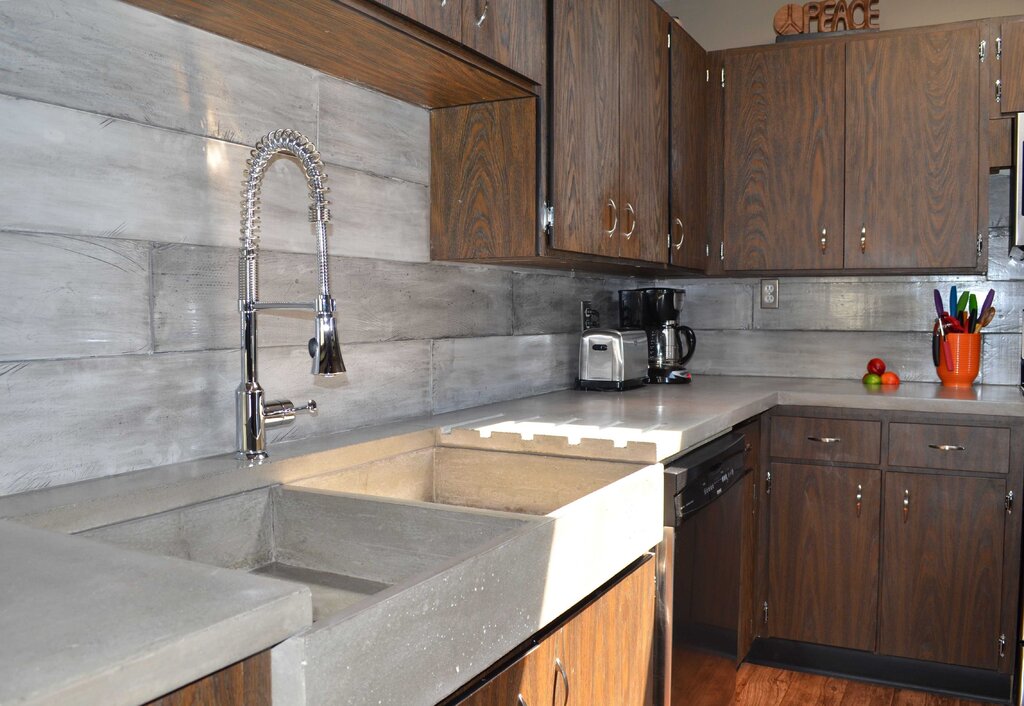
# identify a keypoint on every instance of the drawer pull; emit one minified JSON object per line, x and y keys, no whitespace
{"x":906,"y":505}
{"x":824,"y":439}
{"x":946,"y":447}
{"x":521,"y":701}
{"x":860,"y":498}
{"x":565,"y":680}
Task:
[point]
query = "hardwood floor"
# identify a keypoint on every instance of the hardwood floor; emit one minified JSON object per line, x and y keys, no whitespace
{"x":765,"y":686}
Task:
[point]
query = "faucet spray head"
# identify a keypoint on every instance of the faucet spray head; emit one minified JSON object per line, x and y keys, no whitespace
{"x":324,"y":347}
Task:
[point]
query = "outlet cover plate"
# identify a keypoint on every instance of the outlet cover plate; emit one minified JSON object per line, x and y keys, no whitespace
{"x":769,"y":294}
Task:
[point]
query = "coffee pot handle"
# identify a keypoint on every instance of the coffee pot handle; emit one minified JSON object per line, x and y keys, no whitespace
{"x":691,"y":342}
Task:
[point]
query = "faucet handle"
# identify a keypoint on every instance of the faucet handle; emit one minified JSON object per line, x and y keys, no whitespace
{"x":282,"y":412}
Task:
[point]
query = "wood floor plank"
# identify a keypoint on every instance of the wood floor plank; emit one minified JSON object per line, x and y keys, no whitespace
{"x":807,"y":689}
{"x":861,"y":694}
{"x":764,"y":687}
{"x":701,"y":679}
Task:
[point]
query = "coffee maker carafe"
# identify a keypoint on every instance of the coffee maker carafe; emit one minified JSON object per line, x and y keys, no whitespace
{"x":656,"y":311}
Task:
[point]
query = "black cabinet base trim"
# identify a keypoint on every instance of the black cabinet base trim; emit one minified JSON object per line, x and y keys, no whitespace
{"x":948,"y":680}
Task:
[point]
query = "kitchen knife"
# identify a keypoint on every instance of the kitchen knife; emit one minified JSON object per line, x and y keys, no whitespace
{"x":942,"y":331}
{"x":972,"y":306}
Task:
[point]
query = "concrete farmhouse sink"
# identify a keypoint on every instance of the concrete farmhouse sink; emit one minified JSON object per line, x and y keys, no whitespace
{"x":426,"y":563}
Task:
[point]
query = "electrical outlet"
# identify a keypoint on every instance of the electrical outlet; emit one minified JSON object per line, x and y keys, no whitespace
{"x":589,"y":316}
{"x":769,"y":294}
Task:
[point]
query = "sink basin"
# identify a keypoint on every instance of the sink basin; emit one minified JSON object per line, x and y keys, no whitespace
{"x":507,"y":482}
{"x":344,"y":548}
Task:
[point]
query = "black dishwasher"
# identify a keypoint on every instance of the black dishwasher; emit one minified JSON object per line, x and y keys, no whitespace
{"x":700,"y":581}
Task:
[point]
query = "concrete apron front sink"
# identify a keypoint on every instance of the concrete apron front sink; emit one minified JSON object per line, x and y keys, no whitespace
{"x":425,"y":566}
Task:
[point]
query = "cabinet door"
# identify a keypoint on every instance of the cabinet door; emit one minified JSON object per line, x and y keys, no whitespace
{"x":1011,"y":66}
{"x":643,"y":136}
{"x":531,"y":679}
{"x":444,"y":16}
{"x":512,"y":32}
{"x":784,"y":158}
{"x":942,"y":568}
{"x":585,"y":126}
{"x":912,"y":132}
{"x":608,"y":647}
{"x":823,"y":555}
{"x":687,"y":179}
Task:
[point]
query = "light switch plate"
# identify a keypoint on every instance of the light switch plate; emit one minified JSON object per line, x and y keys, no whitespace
{"x":769,"y":294}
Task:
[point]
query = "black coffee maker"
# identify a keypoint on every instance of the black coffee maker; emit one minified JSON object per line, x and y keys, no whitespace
{"x":656,"y":311}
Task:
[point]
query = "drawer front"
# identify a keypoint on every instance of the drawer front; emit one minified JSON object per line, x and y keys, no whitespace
{"x":949,"y":448}
{"x":838,"y":440}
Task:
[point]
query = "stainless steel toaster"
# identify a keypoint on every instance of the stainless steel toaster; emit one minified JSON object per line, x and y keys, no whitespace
{"x":612,"y":360}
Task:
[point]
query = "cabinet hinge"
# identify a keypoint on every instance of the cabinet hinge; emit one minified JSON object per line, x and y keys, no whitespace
{"x":707,"y":249}
{"x":982,"y":50}
{"x":768,"y":486}
{"x":979,"y":244}
{"x":707,"y":75}
{"x":764,"y":609}
{"x":1009,"y":503}
{"x":999,"y":48}
{"x":1002,"y":646}
{"x":721,"y":251}
{"x":723,"y":77}
{"x":999,"y":91}
{"x":668,"y":242}
{"x":669,"y":40}
{"x":549,"y":217}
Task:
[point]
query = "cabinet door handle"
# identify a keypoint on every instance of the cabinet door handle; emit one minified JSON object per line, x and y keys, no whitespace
{"x":444,"y":2}
{"x":906,"y":505}
{"x":946,"y":447}
{"x":483,"y":15}
{"x":863,"y":238}
{"x":681,"y":234}
{"x":824,"y":439}
{"x":565,"y":680}
{"x":824,"y":240}
{"x":521,"y":701}
{"x":632,"y":212}
{"x":615,"y":221}
{"x":860,"y":498}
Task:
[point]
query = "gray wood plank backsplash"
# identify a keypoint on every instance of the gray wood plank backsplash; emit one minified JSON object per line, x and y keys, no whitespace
{"x":111,"y":58}
{"x":69,"y":296}
{"x":195,"y":299}
{"x":546,"y":302}
{"x":346,"y":137}
{"x":474,"y":371}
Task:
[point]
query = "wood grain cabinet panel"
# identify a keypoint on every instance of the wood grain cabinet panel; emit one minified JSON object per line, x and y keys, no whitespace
{"x":585,"y":126}
{"x":512,"y":32}
{"x":483,"y":180}
{"x":824,"y":549}
{"x":784,"y":136}
{"x":688,"y":184}
{"x":245,"y":683}
{"x":532,"y":678}
{"x":444,"y":16}
{"x":942,"y":568}
{"x":948,"y":447}
{"x":912,"y":136}
{"x":821,"y":439}
{"x":643,"y":131}
{"x":1011,"y":66}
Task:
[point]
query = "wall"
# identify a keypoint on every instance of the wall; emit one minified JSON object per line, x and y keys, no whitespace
{"x":724,"y":24}
{"x":124,"y":137}
{"x":831,"y":326}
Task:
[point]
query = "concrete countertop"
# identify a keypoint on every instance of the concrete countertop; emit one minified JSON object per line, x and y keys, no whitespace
{"x":86,"y":623}
{"x":84,"y":616}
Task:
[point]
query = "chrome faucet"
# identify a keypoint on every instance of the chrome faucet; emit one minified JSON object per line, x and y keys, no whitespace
{"x":253,"y":413}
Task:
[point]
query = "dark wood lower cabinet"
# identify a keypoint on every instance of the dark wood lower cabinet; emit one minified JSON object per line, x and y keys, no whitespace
{"x":245,"y":683}
{"x":824,"y":544}
{"x":601,"y":655}
{"x":942,"y":568}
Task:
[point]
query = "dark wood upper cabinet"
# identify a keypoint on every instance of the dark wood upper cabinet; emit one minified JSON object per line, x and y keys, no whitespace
{"x":444,"y":16}
{"x":512,"y":32}
{"x":643,"y":130}
{"x":610,"y":129}
{"x":688,"y":200}
{"x":784,"y":158}
{"x":942,"y":568}
{"x":912,"y":150}
{"x":1010,"y":62}
{"x":585,"y":126}
{"x":824,"y":549}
